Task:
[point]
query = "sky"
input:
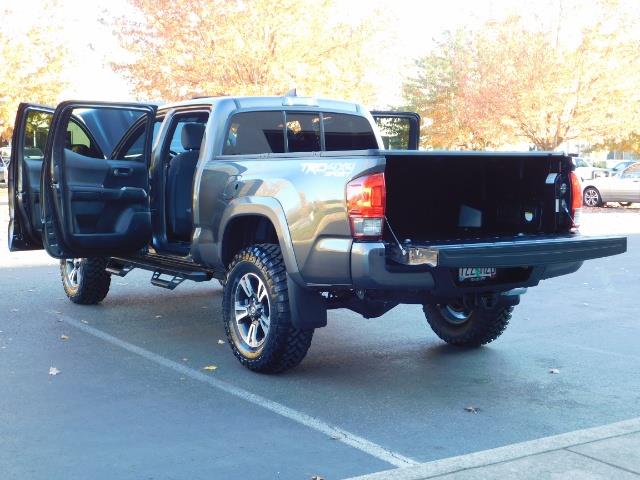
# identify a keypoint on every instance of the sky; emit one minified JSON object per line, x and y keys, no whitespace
{"x":415,"y":24}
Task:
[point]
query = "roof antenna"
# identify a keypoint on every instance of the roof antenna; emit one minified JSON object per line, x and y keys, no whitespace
{"x":291,"y":93}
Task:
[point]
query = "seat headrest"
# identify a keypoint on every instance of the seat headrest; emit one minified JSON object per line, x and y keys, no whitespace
{"x":192,"y":135}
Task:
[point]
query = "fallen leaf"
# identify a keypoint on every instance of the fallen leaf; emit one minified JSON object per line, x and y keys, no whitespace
{"x":554,"y":370}
{"x":220,"y":342}
{"x":472,"y":409}
{"x":64,"y":337}
{"x":53,"y":371}
{"x":210,"y":368}
{"x":158,"y":316}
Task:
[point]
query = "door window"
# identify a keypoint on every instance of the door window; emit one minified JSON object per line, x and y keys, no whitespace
{"x":133,"y":148}
{"x":176,"y":146}
{"x":632,"y":172}
{"x":255,"y":133}
{"x":395,"y":132}
{"x":36,"y":131}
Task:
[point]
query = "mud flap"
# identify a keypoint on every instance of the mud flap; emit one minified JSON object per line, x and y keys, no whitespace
{"x":308,"y":308}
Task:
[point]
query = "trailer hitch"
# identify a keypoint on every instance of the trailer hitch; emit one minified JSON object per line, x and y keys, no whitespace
{"x":493,"y":301}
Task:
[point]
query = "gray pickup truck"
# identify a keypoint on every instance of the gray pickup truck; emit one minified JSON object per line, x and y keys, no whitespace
{"x":297,"y":206}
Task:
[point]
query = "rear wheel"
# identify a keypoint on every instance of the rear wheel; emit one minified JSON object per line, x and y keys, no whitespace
{"x":85,"y":280}
{"x":591,"y":197}
{"x":457,"y":325}
{"x":255,"y":309}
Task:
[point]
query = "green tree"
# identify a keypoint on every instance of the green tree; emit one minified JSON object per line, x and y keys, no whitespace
{"x":32,"y":61}
{"x":253,"y":47}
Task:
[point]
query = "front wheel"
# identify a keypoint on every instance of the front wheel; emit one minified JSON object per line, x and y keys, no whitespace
{"x":255,"y":310}
{"x":457,"y":325}
{"x":85,"y":280}
{"x":591,"y":197}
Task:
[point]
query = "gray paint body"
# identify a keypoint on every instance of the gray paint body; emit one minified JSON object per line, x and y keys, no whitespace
{"x":303,"y":196}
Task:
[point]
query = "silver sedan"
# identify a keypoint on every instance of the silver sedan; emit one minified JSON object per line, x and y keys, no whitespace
{"x":623,"y":188}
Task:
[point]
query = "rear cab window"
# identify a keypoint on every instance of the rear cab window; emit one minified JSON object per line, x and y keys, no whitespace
{"x":263,"y":132}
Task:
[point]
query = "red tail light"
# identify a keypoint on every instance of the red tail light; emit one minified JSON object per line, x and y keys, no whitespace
{"x":576,"y":199}
{"x":366,"y":202}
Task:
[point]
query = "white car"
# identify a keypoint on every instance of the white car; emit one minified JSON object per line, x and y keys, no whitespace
{"x":5,"y":155}
{"x":585,"y":171}
{"x":623,"y":188}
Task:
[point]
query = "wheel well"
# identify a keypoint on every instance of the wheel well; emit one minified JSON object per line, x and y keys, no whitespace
{"x":246,"y":230}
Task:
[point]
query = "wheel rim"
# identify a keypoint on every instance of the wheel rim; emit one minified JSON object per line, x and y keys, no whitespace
{"x":252,"y":310}
{"x":591,"y":197}
{"x":73,"y":272}
{"x":455,"y":313}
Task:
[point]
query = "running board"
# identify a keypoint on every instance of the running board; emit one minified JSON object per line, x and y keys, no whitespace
{"x":177,"y":272}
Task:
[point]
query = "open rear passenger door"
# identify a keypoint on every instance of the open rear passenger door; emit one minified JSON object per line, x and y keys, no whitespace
{"x":399,"y":130}
{"x":92,"y":203}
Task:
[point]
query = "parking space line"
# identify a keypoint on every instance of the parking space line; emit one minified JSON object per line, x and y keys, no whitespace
{"x":333,"y":432}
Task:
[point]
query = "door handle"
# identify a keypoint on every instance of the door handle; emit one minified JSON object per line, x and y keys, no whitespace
{"x":122,"y":171}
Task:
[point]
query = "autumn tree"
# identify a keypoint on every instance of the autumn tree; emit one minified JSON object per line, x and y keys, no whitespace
{"x":32,"y":60}
{"x":524,"y":79}
{"x":186,"y":48}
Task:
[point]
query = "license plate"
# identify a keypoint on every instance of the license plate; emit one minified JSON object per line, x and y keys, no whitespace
{"x":474,"y":274}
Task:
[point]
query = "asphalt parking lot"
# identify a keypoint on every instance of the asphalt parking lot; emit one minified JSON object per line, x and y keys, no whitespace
{"x":132,"y":400}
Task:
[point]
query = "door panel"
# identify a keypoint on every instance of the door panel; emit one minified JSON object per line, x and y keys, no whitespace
{"x":28,"y":144}
{"x":399,"y":130}
{"x":96,"y":206}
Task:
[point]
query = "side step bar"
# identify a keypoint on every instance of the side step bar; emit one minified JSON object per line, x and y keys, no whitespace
{"x":176,"y":270}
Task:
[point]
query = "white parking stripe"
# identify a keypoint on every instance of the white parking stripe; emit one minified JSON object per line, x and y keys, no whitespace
{"x":331,"y":431}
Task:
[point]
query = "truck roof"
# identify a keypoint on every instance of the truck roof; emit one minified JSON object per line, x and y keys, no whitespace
{"x":288,"y":102}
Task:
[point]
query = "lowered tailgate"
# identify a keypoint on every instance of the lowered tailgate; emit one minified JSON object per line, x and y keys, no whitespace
{"x":508,"y":252}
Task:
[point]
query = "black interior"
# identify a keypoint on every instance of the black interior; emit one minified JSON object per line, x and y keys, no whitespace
{"x":443,"y":197}
{"x":180,"y":174}
{"x":107,"y":202}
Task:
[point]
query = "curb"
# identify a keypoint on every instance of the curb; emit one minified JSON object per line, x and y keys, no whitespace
{"x":506,"y":453}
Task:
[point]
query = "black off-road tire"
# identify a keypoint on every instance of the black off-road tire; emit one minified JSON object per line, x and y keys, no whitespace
{"x":482,"y":326}
{"x":93,"y":281}
{"x":284,"y":346}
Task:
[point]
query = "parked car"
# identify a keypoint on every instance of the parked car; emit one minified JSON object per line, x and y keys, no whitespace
{"x":5,"y":155}
{"x":623,"y":188}
{"x":295,"y":204}
{"x":618,"y":168}
{"x":585,"y":171}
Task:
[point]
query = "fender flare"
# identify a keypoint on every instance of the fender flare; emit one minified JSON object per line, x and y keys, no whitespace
{"x":308,"y":308}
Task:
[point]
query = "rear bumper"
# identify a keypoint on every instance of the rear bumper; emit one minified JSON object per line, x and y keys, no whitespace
{"x":429,"y":267}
